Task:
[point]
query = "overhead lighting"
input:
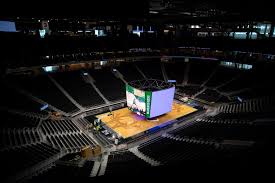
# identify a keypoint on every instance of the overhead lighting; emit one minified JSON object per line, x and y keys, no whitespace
{"x":153,"y":12}
{"x":185,"y":13}
{"x":195,"y":26}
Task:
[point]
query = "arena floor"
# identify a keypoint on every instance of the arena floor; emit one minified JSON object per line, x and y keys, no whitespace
{"x":126,"y":123}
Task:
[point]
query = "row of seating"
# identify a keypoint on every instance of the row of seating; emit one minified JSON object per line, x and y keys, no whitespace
{"x":249,"y":106}
{"x":166,"y":150}
{"x":126,"y":164}
{"x":175,"y":71}
{"x":221,"y":131}
{"x":209,"y":95}
{"x":19,"y":121}
{"x":65,"y":172}
{"x":11,"y":138}
{"x":221,"y":76}
{"x":75,"y":47}
{"x":15,"y":162}
{"x":150,"y":68}
{"x":28,"y":50}
{"x":75,"y":85}
{"x":189,"y":90}
{"x":106,"y":81}
{"x":238,"y":126}
{"x":86,"y":55}
{"x":225,"y":121}
{"x":42,"y":88}
{"x":110,"y":86}
{"x":83,"y":122}
{"x":12,"y":99}
{"x":200,"y":71}
{"x":226,"y":55}
{"x":52,"y":127}
{"x":194,"y":140}
{"x":70,"y":143}
{"x":247,"y":79}
{"x":129,"y":72}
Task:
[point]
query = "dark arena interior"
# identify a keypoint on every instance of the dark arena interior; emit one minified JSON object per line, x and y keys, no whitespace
{"x":66,"y":111}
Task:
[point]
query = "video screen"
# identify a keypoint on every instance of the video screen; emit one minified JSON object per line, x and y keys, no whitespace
{"x":7,"y":26}
{"x":149,"y":104}
{"x":136,"y":100}
{"x":50,"y":68}
{"x":162,"y":102}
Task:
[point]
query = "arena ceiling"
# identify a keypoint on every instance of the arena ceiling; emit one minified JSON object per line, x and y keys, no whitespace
{"x":157,"y":10}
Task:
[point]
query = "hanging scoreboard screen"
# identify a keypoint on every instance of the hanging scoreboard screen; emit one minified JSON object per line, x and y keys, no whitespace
{"x":149,"y":103}
{"x":136,"y":100}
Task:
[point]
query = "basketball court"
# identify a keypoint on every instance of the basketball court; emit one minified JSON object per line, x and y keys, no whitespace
{"x":127,"y":123}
